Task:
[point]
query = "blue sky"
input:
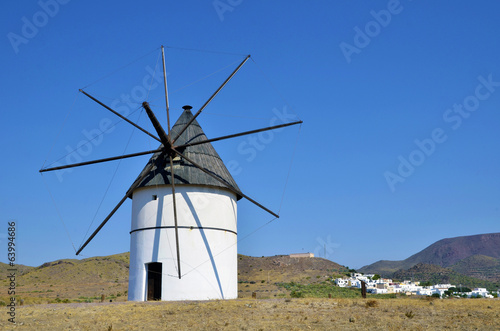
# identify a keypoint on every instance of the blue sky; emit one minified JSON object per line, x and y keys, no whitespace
{"x":400,"y":102}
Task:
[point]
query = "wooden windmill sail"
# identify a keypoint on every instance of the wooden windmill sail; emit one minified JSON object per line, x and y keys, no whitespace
{"x":183,"y":169}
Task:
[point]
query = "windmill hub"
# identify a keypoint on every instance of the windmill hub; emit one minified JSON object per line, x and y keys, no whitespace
{"x":187,"y":107}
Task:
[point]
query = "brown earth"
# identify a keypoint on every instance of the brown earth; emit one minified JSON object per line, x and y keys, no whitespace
{"x":268,"y":314}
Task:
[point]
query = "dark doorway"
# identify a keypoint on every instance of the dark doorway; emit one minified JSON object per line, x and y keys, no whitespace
{"x":154,"y":281}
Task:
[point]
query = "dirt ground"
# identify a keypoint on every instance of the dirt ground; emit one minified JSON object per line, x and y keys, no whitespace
{"x":263,"y":314}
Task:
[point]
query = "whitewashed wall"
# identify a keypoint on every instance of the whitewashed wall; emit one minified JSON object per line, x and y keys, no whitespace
{"x":208,"y":256}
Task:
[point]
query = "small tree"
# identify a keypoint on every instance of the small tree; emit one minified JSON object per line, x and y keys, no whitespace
{"x":464,"y":289}
{"x":376,"y":277}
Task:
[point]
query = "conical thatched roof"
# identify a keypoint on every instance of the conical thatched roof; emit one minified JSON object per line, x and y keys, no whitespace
{"x":185,"y":173}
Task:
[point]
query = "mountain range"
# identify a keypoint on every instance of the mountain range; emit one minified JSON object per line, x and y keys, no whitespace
{"x":475,"y":256}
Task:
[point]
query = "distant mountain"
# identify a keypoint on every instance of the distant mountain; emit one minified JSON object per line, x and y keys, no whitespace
{"x":477,"y":255}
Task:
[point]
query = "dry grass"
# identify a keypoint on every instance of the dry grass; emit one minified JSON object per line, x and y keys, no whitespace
{"x":272,"y":310}
{"x":264,"y":314}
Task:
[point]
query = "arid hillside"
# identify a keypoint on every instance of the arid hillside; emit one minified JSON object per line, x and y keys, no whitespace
{"x":260,"y":274}
{"x":86,"y":280}
{"x":73,"y":279}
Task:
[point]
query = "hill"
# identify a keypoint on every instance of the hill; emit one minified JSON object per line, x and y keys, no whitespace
{"x":451,"y":252}
{"x":87,"y":279}
{"x":479,"y":266}
{"x":21,"y":269}
{"x":286,"y":268}
{"x":438,"y":275}
{"x":71,"y":278}
{"x":260,"y":274}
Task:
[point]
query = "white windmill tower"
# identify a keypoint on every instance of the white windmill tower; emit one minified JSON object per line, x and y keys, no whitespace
{"x":183,"y":243}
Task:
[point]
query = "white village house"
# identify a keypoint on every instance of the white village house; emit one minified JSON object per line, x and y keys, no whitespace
{"x":384,"y":286}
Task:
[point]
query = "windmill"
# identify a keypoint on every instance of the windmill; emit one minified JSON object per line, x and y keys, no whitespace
{"x":183,"y":243}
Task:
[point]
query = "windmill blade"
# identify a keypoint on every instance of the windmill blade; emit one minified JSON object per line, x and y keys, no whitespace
{"x":129,"y":193}
{"x":121,"y":116}
{"x":102,"y":224}
{"x":238,"y":134}
{"x":172,"y":180}
{"x":159,"y":129}
{"x":210,"y":99}
{"x":100,"y":160}
{"x":229,"y":187}
{"x":166,"y":90}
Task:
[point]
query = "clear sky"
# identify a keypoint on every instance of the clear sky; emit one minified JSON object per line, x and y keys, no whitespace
{"x":400,"y":145}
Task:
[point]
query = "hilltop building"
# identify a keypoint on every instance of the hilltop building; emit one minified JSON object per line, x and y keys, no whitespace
{"x":302,"y":255}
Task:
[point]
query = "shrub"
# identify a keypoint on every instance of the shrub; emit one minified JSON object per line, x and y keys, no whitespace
{"x":409,"y":314}
{"x":371,"y":303}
